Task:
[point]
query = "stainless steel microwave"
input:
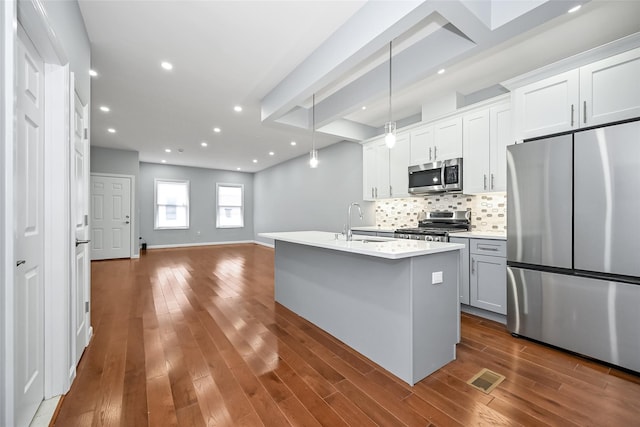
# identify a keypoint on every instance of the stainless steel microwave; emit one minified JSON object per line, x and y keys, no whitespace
{"x":436,"y":177}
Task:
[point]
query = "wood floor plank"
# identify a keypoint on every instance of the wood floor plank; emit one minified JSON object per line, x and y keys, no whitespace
{"x":193,"y":337}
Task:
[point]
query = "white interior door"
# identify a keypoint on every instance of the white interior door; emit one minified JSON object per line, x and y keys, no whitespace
{"x":110,"y":217}
{"x":80,"y":277}
{"x":29,"y":237}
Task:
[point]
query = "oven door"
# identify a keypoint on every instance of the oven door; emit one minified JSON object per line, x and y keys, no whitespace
{"x":426,"y":178}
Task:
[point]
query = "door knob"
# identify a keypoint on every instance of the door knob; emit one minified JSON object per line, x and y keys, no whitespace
{"x":20,"y":262}
{"x":81,"y":242}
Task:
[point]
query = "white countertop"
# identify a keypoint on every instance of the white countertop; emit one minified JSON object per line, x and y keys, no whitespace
{"x":383,"y":247}
{"x":374,"y":228}
{"x":495,"y":235}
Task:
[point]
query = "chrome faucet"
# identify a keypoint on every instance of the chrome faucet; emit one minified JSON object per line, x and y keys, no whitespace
{"x":349,"y":233}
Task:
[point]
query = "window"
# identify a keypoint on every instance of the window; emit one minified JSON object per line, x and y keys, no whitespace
{"x":230,"y":201}
{"x":172,"y":204}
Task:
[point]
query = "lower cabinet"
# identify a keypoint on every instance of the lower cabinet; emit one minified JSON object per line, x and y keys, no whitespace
{"x":483,"y":273}
{"x":464,"y":268}
{"x":488,"y":275}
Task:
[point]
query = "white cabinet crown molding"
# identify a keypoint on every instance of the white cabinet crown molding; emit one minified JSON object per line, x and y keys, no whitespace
{"x":576,"y":61}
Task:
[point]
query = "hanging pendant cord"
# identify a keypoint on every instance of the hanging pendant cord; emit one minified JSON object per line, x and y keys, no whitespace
{"x":390,"y":46}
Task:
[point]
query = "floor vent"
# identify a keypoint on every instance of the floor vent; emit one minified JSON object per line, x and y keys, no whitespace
{"x":486,"y":380}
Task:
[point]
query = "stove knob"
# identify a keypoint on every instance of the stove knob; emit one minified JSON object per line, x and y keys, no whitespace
{"x":437,"y":239}
{"x":429,"y":238}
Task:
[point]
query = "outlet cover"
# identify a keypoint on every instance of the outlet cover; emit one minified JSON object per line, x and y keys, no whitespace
{"x":436,"y":277}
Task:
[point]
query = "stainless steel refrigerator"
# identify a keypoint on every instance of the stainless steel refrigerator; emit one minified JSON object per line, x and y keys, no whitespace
{"x":573,"y":242}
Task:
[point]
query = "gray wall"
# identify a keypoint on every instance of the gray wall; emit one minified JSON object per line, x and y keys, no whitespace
{"x":122,"y":162}
{"x":202,"y":209}
{"x":291,"y":196}
{"x":66,"y":19}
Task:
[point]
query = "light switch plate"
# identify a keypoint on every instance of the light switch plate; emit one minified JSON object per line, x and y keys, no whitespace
{"x":436,"y":277}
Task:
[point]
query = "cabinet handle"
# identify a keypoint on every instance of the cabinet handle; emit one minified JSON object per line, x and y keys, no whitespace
{"x":492,"y":181}
{"x":584,"y":111}
{"x":20,"y":262}
{"x":390,"y":190}
{"x":372,"y":196}
{"x":430,"y":153}
{"x":376,"y":192}
{"x":487,"y":248}
{"x":485,"y":180}
{"x":473,"y":266}
{"x":572,"y":108}
{"x":435,"y":153}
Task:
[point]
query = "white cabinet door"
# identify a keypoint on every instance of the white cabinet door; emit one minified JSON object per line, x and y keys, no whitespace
{"x":476,"y":152}
{"x":448,"y":139}
{"x":548,"y":106}
{"x":488,"y":283}
{"x":375,"y":163}
{"x":398,"y":167}
{"x":382,"y":166}
{"x":610,"y":89}
{"x":421,"y":145}
{"x":369,"y":171}
{"x":501,"y":135}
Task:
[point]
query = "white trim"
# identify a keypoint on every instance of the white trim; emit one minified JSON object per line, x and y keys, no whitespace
{"x":57,"y":262}
{"x":607,"y":50}
{"x":7,"y":127}
{"x":268,"y":245}
{"x":155,"y":203}
{"x":218,"y":206}
{"x":190,"y":245}
{"x":132,"y":205}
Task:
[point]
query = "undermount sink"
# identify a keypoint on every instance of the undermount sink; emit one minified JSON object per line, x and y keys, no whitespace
{"x":370,"y":240}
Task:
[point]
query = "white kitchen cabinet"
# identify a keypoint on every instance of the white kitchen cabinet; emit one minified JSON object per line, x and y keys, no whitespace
{"x":447,"y":136}
{"x":422,"y":143}
{"x":384,"y":170}
{"x":399,"y":157}
{"x":602,"y":92}
{"x":375,"y":169}
{"x":547,"y":106}
{"x":463,"y":280}
{"x":488,"y":275}
{"x":610,"y":89}
{"x":487,"y":132}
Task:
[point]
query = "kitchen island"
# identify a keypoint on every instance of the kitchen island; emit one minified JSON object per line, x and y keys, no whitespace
{"x":394,"y":301}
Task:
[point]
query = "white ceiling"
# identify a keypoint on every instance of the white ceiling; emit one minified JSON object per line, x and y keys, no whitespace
{"x":271,"y":56}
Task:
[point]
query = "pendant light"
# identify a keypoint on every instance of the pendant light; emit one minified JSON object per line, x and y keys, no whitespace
{"x":313,"y":155}
{"x":390,"y":126}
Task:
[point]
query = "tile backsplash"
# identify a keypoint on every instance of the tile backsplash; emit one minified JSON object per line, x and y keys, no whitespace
{"x":488,"y":211}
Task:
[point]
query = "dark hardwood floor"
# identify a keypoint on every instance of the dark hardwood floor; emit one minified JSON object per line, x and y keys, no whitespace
{"x":192,"y":337}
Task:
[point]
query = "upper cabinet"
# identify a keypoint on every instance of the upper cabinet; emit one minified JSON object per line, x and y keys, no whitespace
{"x":385,"y":170}
{"x":602,"y":92}
{"x":487,"y":132}
{"x":610,"y":89}
{"x":436,"y":141}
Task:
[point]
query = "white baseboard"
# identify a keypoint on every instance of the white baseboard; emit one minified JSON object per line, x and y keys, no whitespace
{"x":134,"y":256}
{"x":189,"y":245}
{"x":269,"y":245}
{"x":496,"y":317}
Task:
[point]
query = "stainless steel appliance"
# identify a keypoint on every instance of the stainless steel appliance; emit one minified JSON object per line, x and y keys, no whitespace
{"x":573,"y":244}
{"x":436,"y":226}
{"x":436,"y":177}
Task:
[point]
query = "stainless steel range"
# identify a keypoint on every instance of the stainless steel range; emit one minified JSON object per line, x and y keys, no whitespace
{"x":436,"y":226}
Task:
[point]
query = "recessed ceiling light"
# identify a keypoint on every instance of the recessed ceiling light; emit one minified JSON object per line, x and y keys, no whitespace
{"x":216,"y":130}
{"x":166,"y":65}
{"x":105,"y":108}
{"x":575,"y":8}
{"x":364,"y":107}
{"x":255,"y":160}
{"x":167,"y":150}
{"x":93,"y":73}
{"x":237,"y":108}
{"x":293,"y":143}
{"x":271,"y":153}
{"x":441,"y":71}
{"x":163,"y":161}
{"x":238,"y":169}
{"x":111,"y":130}
{"x":204,"y":144}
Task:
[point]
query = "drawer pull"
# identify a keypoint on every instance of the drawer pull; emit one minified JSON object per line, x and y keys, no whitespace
{"x":488,"y":248}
